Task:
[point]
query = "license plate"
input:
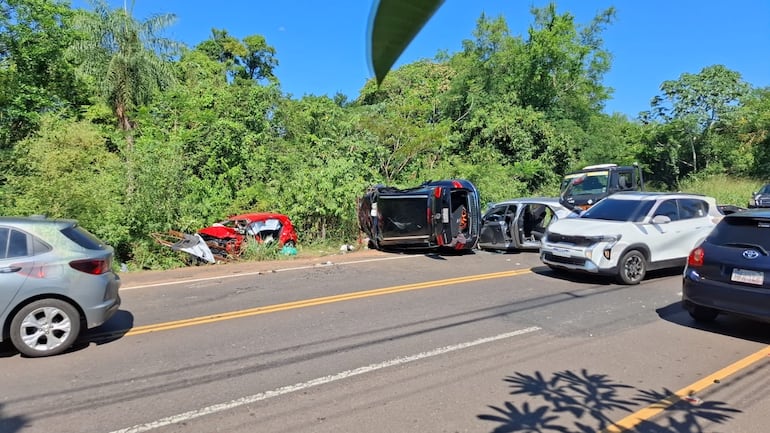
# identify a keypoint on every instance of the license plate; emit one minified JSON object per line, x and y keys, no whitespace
{"x":561,"y":253}
{"x":746,"y":276}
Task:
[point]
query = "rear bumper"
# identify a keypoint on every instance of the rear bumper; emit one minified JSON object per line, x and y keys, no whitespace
{"x":96,"y":315}
{"x":737,"y":299}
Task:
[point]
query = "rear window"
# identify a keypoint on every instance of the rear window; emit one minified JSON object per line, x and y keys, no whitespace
{"x":83,"y":238}
{"x":619,"y":210}
{"x":404,"y":216}
{"x":742,"y":231}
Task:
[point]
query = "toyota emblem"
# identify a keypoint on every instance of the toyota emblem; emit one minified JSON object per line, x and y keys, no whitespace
{"x":751,"y":254}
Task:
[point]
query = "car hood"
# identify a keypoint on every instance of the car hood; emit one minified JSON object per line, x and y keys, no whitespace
{"x":587,"y":227}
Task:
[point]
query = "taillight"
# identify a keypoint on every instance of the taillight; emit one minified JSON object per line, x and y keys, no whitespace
{"x":437,"y":192}
{"x":696,"y":257}
{"x":91,"y":266}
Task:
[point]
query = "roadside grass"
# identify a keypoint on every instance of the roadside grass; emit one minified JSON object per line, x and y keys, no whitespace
{"x":727,"y":190}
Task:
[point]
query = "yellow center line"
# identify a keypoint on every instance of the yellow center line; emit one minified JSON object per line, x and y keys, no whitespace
{"x":631,"y":421}
{"x":318,"y":301}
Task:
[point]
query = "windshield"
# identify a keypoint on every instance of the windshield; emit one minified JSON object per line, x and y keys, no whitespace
{"x":619,"y":210}
{"x":590,"y":183}
{"x":765,"y":189}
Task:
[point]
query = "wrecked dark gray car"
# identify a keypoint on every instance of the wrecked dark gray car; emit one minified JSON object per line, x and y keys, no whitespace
{"x":443,"y":214}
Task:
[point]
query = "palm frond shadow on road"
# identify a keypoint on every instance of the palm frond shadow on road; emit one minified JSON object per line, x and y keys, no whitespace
{"x":583,"y":402}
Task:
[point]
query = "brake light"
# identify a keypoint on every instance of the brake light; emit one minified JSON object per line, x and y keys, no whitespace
{"x":696,"y":257}
{"x":457,"y":184}
{"x":437,"y":192}
{"x":91,"y":266}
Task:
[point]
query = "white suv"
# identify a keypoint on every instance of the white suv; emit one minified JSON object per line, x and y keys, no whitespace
{"x":629,"y":233}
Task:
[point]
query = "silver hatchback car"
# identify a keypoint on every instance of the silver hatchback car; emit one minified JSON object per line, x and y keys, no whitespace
{"x":56,"y":278}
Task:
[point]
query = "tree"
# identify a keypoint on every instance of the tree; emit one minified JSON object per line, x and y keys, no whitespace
{"x":700,"y":101}
{"x":250,"y":59}
{"x":127,"y":59}
{"x":35,"y":75}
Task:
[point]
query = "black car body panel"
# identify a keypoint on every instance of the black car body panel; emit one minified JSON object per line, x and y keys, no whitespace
{"x":729,"y":271}
{"x":437,"y":214}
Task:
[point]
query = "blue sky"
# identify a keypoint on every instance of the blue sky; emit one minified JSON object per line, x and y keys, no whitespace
{"x":322,"y":45}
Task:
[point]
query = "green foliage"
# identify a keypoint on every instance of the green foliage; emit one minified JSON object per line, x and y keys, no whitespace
{"x":209,"y":133}
{"x":35,"y":74}
{"x":125,"y":58}
{"x":67,"y":171}
{"x":728,"y":190}
{"x":259,"y":251}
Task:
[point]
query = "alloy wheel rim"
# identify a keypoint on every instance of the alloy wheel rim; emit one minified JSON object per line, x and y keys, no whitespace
{"x":45,"y":328}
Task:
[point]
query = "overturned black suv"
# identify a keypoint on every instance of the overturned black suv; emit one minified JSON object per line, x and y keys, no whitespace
{"x":443,"y":214}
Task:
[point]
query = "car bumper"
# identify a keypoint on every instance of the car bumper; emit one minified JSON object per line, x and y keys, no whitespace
{"x":99,"y":313}
{"x":582,"y":259}
{"x":729,"y":298}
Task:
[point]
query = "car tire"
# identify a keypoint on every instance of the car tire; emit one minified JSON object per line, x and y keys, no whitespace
{"x":703,"y":314}
{"x":632,"y":267}
{"x":45,"y":327}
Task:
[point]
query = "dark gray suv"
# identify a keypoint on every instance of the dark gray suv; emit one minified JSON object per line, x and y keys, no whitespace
{"x":56,"y":279}
{"x":760,"y":198}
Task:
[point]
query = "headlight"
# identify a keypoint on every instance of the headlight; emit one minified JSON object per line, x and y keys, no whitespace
{"x":610,"y":239}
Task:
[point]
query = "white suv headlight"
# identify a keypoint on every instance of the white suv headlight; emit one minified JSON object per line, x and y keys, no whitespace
{"x":610,"y":239}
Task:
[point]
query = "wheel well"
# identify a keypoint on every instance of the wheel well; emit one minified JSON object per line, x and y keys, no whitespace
{"x":642,"y":248}
{"x":6,"y":331}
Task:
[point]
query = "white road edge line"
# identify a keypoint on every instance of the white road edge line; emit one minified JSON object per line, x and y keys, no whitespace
{"x":246,"y":274}
{"x":187,"y":416}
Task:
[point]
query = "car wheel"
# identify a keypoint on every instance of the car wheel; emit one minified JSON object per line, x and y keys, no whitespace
{"x":632,"y":267}
{"x":703,"y":314}
{"x":45,"y":327}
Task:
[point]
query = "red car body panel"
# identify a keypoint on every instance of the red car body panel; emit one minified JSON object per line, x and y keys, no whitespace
{"x":235,"y":228}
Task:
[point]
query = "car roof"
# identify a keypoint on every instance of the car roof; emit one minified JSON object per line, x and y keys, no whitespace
{"x":34,"y":220}
{"x":257,"y":216}
{"x":544,"y":200}
{"x":656,"y":195}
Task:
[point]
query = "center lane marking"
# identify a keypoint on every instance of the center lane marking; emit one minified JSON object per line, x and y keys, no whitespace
{"x":318,"y":301}
{"x":187,"y":416}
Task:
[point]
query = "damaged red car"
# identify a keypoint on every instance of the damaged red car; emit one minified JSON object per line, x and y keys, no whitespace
{"x":226,"y":239}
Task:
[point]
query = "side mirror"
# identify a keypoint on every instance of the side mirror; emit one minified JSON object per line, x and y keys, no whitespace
{"x":661,"y":219}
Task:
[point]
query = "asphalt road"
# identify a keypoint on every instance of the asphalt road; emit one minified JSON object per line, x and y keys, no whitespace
{"x":376,"y":342}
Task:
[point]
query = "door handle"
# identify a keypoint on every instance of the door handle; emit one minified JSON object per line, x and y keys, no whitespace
{"x":10,"y":269}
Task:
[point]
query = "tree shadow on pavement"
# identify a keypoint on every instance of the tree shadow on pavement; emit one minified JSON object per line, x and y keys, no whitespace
{"x":11,"y":424}
{"x":583,"y":402}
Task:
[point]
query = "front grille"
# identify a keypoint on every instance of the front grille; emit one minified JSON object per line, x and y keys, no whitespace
{"x":763,"y":202}
{"x":576,"y":261}
{"x":568,"y":239}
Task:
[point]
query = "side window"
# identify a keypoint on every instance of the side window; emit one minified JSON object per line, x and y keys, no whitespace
{"x":4,"y":236}
{"x":625,"y":181}
{"x":17,"y":244}
{"x":669,"y":209}
{"x":692,"y":208}
{"x":496,"y":214}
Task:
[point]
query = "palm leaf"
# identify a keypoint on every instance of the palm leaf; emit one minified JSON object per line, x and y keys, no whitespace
{"x":395,"y":24}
